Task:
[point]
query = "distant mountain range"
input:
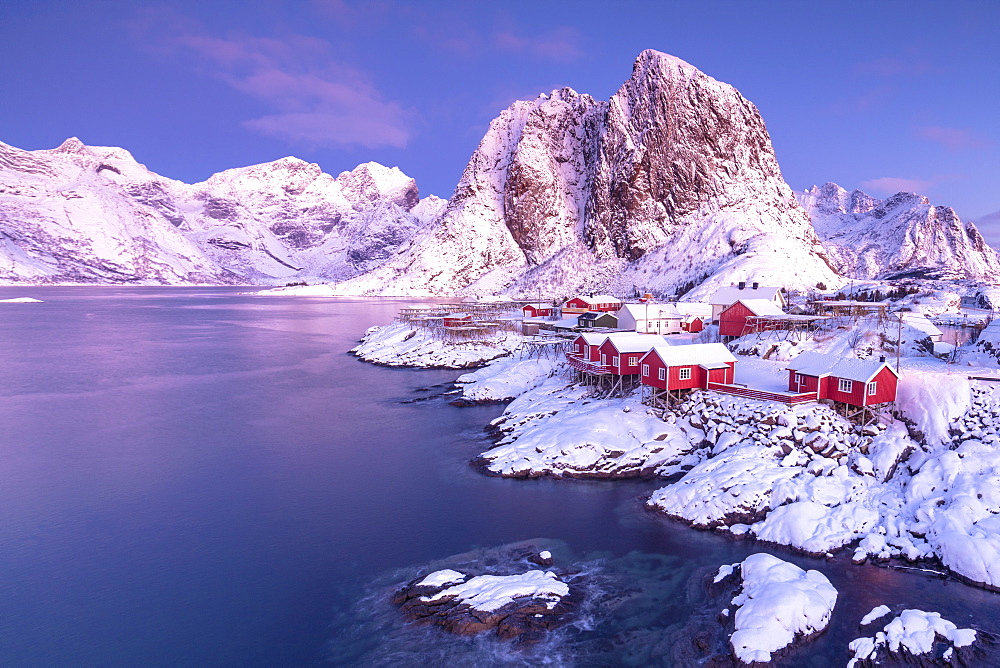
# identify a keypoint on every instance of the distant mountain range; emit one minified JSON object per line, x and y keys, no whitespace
{"x":670,"y":185}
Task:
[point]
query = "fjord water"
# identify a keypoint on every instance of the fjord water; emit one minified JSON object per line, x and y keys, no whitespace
{"x":196,"y":476}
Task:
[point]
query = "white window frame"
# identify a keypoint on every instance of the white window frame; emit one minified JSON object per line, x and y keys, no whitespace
{"x":798,"y":379}
{"x":873,"y":388}
{"x":662,"y":375}
{"x":604,"y":359}
{"x":614,"y":361}
{"x":645,"y":369}
{"x":684,"y":373}
{"x":845,"y":385}
{"x":633,"y":360}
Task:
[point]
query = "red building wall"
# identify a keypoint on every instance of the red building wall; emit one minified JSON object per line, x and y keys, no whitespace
{"x":576,"y":303}
{"x":886,"y":390}
{"x":533,"y":312}
{"x":655,"y":364}
{"x":810,"y":383}
{"x":733,"y":319}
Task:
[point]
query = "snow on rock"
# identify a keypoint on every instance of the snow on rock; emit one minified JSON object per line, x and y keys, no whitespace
{"x":912,"y":633}
{"x":878,"y":612}
{"x":932,"y":401}
{"x":491,"y":592}
{"x":779,"y":604}
{"x":903,"y":235}
{"x":442,"y":578}
{"x":21,"y":300}
{"x":505,"y":378}
{"x":555,"y":430}
{"x":401,"y":344}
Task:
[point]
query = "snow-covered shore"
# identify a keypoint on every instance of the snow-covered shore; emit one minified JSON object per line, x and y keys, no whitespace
{"x":800,"y":476}
{"x":401,"y":344}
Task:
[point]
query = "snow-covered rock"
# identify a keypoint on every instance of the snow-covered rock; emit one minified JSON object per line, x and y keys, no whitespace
{"x":912,"y":634}
{"x":778,"y":604}
{"x":670,"y":181}
{"x":91,"y":214}
{"x":902,"y":236}
{"x":505,"y":378}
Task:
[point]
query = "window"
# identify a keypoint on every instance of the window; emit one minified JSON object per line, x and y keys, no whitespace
{"x":662,"y":374}
{"x":845,"y":385}
{"x":632,"y":361}
{"x":604,"y":359}
{"x":614,"y":361}
{"x":872,"y":388}
{"x":645,"y":369}
{"x":685,"y":374}
{"x":798,"y":379}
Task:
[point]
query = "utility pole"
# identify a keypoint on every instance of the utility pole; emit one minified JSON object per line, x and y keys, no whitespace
{"x":899,"y":338}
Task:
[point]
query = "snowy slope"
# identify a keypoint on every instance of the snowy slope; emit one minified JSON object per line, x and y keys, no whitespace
{"x":902,"y":236}
{"x":89,"y":214}
{"x":673,"y":180}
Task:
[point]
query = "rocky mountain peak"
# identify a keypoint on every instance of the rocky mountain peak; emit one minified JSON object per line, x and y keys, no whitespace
{"x":73,"y":145}
{"x":370,"y":181}
{"x":831,"y":198}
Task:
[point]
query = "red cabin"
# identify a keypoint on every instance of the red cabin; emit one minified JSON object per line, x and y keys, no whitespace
{"x":733,"y":319}
{"x":457,"y":320}
{"x":586,"y":346}
{"x":538,"y":310}
{"x":849,"y":381}
{"x":688,"y":367}
{"x":603,"y":303}
{"x":692,"y":324}
{"x":620,"y":353}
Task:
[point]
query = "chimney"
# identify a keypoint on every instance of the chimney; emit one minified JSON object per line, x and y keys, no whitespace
{"x":881,"y":358}
{"x":756,"y":285}
{"x":741,"y":285}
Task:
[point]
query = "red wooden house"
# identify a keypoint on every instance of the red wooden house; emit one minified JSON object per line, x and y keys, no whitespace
{"x":457,"y":319}
{"x":620,"y":353}
{"x":677,"y":368}
{"x":582,"y":304}
{"x":853,"y":382}
{"x":537,"y":310}
{"x":733,"y":318}
{"x":586,"y":346}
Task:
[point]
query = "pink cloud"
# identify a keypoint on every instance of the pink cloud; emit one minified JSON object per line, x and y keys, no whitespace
{"x":897,"y":67}
{"x":890,"y":185}
{"x":318,"y":100}
{"x":953,"y":139}
{"x":561,"y":44}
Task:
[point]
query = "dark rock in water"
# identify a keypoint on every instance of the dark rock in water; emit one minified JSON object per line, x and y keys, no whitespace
{"x":525,"y":618}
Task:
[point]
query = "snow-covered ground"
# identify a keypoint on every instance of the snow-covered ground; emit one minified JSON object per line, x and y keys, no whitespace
{"x":778,"y":604}
{"x":507,"y":377}
{"x":914,"y":632}
{"x":21,"y":300}
{"x":800,"y":476}
{"x":401,"y":344}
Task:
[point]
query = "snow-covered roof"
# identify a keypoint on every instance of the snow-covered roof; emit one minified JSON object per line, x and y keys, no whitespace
{"x":694,"y":308}
{"x":920,"y":322}
{"x":652,"y":311}
{"x":732,"y":294}
{"x":594,"y":338}
{"x":566,"y":323}
{"x":598,"y":299}
{"x":630,"y":342}
{"x":762,"y":306}
{"x":696,"y":353}
{"x":459,"y":315}
{"x":821,"y":364}
{"x":594,"y":315}
{"x":536,"y":305}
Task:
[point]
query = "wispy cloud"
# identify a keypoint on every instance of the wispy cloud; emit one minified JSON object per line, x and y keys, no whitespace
{"x":897,"y":67}
{"x":989,"y":226}
{"x":561,"y":44}
{"x":890,"y":185}
{"x":317,"y":100}
{"x":953,"y":139}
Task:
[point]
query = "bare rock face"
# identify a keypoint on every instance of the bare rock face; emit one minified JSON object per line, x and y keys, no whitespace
{"x":901,"y":236}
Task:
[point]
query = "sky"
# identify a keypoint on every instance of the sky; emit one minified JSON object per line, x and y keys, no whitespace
{"x":877,"y":95}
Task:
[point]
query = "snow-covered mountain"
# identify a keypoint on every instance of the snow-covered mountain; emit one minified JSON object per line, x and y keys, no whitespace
{"x":673,"y":180}
{"x":88,"y":214}
{"x":901,"y":236}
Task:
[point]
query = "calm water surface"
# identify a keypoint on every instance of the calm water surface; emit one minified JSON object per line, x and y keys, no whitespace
{"x":193,"y":476}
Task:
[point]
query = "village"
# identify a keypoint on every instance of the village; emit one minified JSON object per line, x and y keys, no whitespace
{"x":664,"y":351}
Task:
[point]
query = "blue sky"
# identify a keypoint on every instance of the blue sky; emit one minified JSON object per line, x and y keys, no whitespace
{"x":882,"y":96}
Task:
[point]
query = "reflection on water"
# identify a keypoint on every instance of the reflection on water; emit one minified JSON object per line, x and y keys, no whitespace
{"x":198,"y":477}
